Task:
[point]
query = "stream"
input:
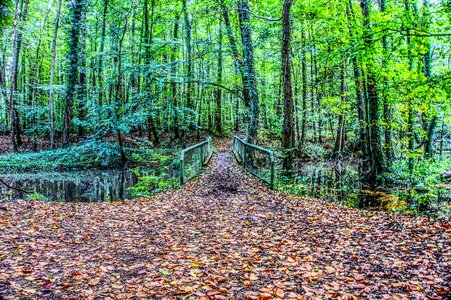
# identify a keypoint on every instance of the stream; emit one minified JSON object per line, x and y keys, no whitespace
{"x":79,"y":186}
{"x":340,"y":182}
{"x":335,"y":181}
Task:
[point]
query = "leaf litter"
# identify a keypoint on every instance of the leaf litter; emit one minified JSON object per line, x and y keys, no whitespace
{"x":224,"y":236}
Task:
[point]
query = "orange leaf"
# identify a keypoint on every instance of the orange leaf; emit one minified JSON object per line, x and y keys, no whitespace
{"x":280,"y":293}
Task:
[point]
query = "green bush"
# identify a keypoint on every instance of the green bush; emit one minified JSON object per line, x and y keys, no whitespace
{"x":86,"y":156}
{"x":425,"y":174}
{"x":151,"y":185}
{"x":90,"y":155}
{"x":37,"y":196}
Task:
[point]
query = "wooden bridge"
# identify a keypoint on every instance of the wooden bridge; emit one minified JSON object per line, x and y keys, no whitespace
{"x":258,"y":161}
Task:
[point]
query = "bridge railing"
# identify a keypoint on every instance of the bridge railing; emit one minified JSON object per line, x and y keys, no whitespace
{"x":193,"y":159}
{"x":256,"y":160}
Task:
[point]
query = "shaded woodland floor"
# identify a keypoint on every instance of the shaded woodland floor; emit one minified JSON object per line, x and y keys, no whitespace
{"x":224,"y":236}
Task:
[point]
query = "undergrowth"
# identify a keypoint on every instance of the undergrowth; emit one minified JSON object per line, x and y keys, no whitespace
{"x":90,"y":155}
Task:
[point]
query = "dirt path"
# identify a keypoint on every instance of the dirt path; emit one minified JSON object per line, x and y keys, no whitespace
{"x":225,"y":236}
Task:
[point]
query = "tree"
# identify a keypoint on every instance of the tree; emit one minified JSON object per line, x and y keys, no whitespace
{"x":250,"y":80}
{"x":340,"y":138}
{"x":237,"y":58}
{"x":387,"y":114}
{"x":52,"y":77}
{"x":148,"y":37}
{"x":76,"y":10}
{"x":431,"y":118}
{"x":377,"y":160}
{"x":19,"y":20}
{"x":218,"y":114}
{"x":356,"y":77}
{"x":189,"y":69}
{"x":289,"y":124}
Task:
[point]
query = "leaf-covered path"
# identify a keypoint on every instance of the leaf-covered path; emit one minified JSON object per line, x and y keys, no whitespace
{"x":225,"y":236}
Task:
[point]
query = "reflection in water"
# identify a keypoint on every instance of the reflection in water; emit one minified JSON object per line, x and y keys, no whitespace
{"x":82,"y":186}
{"x":335,"y":180}
{"x":339,"y":181}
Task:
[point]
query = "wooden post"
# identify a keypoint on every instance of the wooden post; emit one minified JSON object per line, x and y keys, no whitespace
{"x":182,"y":167}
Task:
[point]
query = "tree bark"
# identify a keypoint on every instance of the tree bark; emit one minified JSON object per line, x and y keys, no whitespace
{"x":289,"y":126}
{"x":52,"y":77}
{"x":387,"y":114}
{"x":148,"y":34}
{"x":189,"y":66}
{"x":339,"y":141}
{"x":19,"y":19}
{"x":410,"y":125}
{"x":377,"y":159}
{"x":238,"y":61}
{"x":76,"y":9}
{"x":174,"y":75}
{"x":218,"y":92}
{"x":102,"y":49}
{"x":248,"y":55}
{"x":432,"y":123}
{"x":304,"y":89}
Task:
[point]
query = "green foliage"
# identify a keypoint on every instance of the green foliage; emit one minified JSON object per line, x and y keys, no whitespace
{"x":286,"y":184}
{"x":314,"y":151}
{"x":421,"y":185}
{"x":150,"y":184}
{"x":91,"y":154}
{"x":37,"y":196}
{"x":426,"y":173}
{"x":5,"y":12}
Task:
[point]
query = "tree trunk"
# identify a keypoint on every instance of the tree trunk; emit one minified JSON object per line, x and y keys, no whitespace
{"x":248,"y":55}
{"x":102,"y":49}
{"x":19,"y":20}
{"x":189,"y":67}
{"x":304,"y":89}
{"x":52,"y":77}
{"x":410,"y":125}
{"x":377,"y":166}
{"x":360,"y":97}
{"x":387,"y":114}
{"x":289,"y":126}
{"x":148,"y":34}
{"x":81,"y":88}
{"x":432,"y":124}
{"x":118,"y":95}
{"x":174,"y":75}
{"x":4,"y":94}
{"x":339,"y":141}
{"x":218,"y":115}
{"x":76,"y":9}
{"x":238,"y":61}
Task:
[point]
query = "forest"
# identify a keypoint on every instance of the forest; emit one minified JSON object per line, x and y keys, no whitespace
{"x":342,"y":109}
{"x":354,"y":77}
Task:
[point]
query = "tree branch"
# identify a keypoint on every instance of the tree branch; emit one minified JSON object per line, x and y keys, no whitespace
{"x":207,"y":83}
{"x":14,"y":188}
{"x":421,"y":34}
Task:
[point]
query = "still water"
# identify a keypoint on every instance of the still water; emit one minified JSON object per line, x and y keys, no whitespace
{"x":340,"y":181}
{"x":80,"y":186}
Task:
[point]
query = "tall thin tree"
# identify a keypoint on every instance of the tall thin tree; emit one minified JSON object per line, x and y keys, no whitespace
{"x":76,"y":10}
{"x":52,"y":77}
{"x":289,"y":126}
{"x":19,"y":20}
{"x":251,"y":77}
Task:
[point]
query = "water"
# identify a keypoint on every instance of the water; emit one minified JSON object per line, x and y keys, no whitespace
{"x":340,"y":182}
{"x":80,"y":186}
